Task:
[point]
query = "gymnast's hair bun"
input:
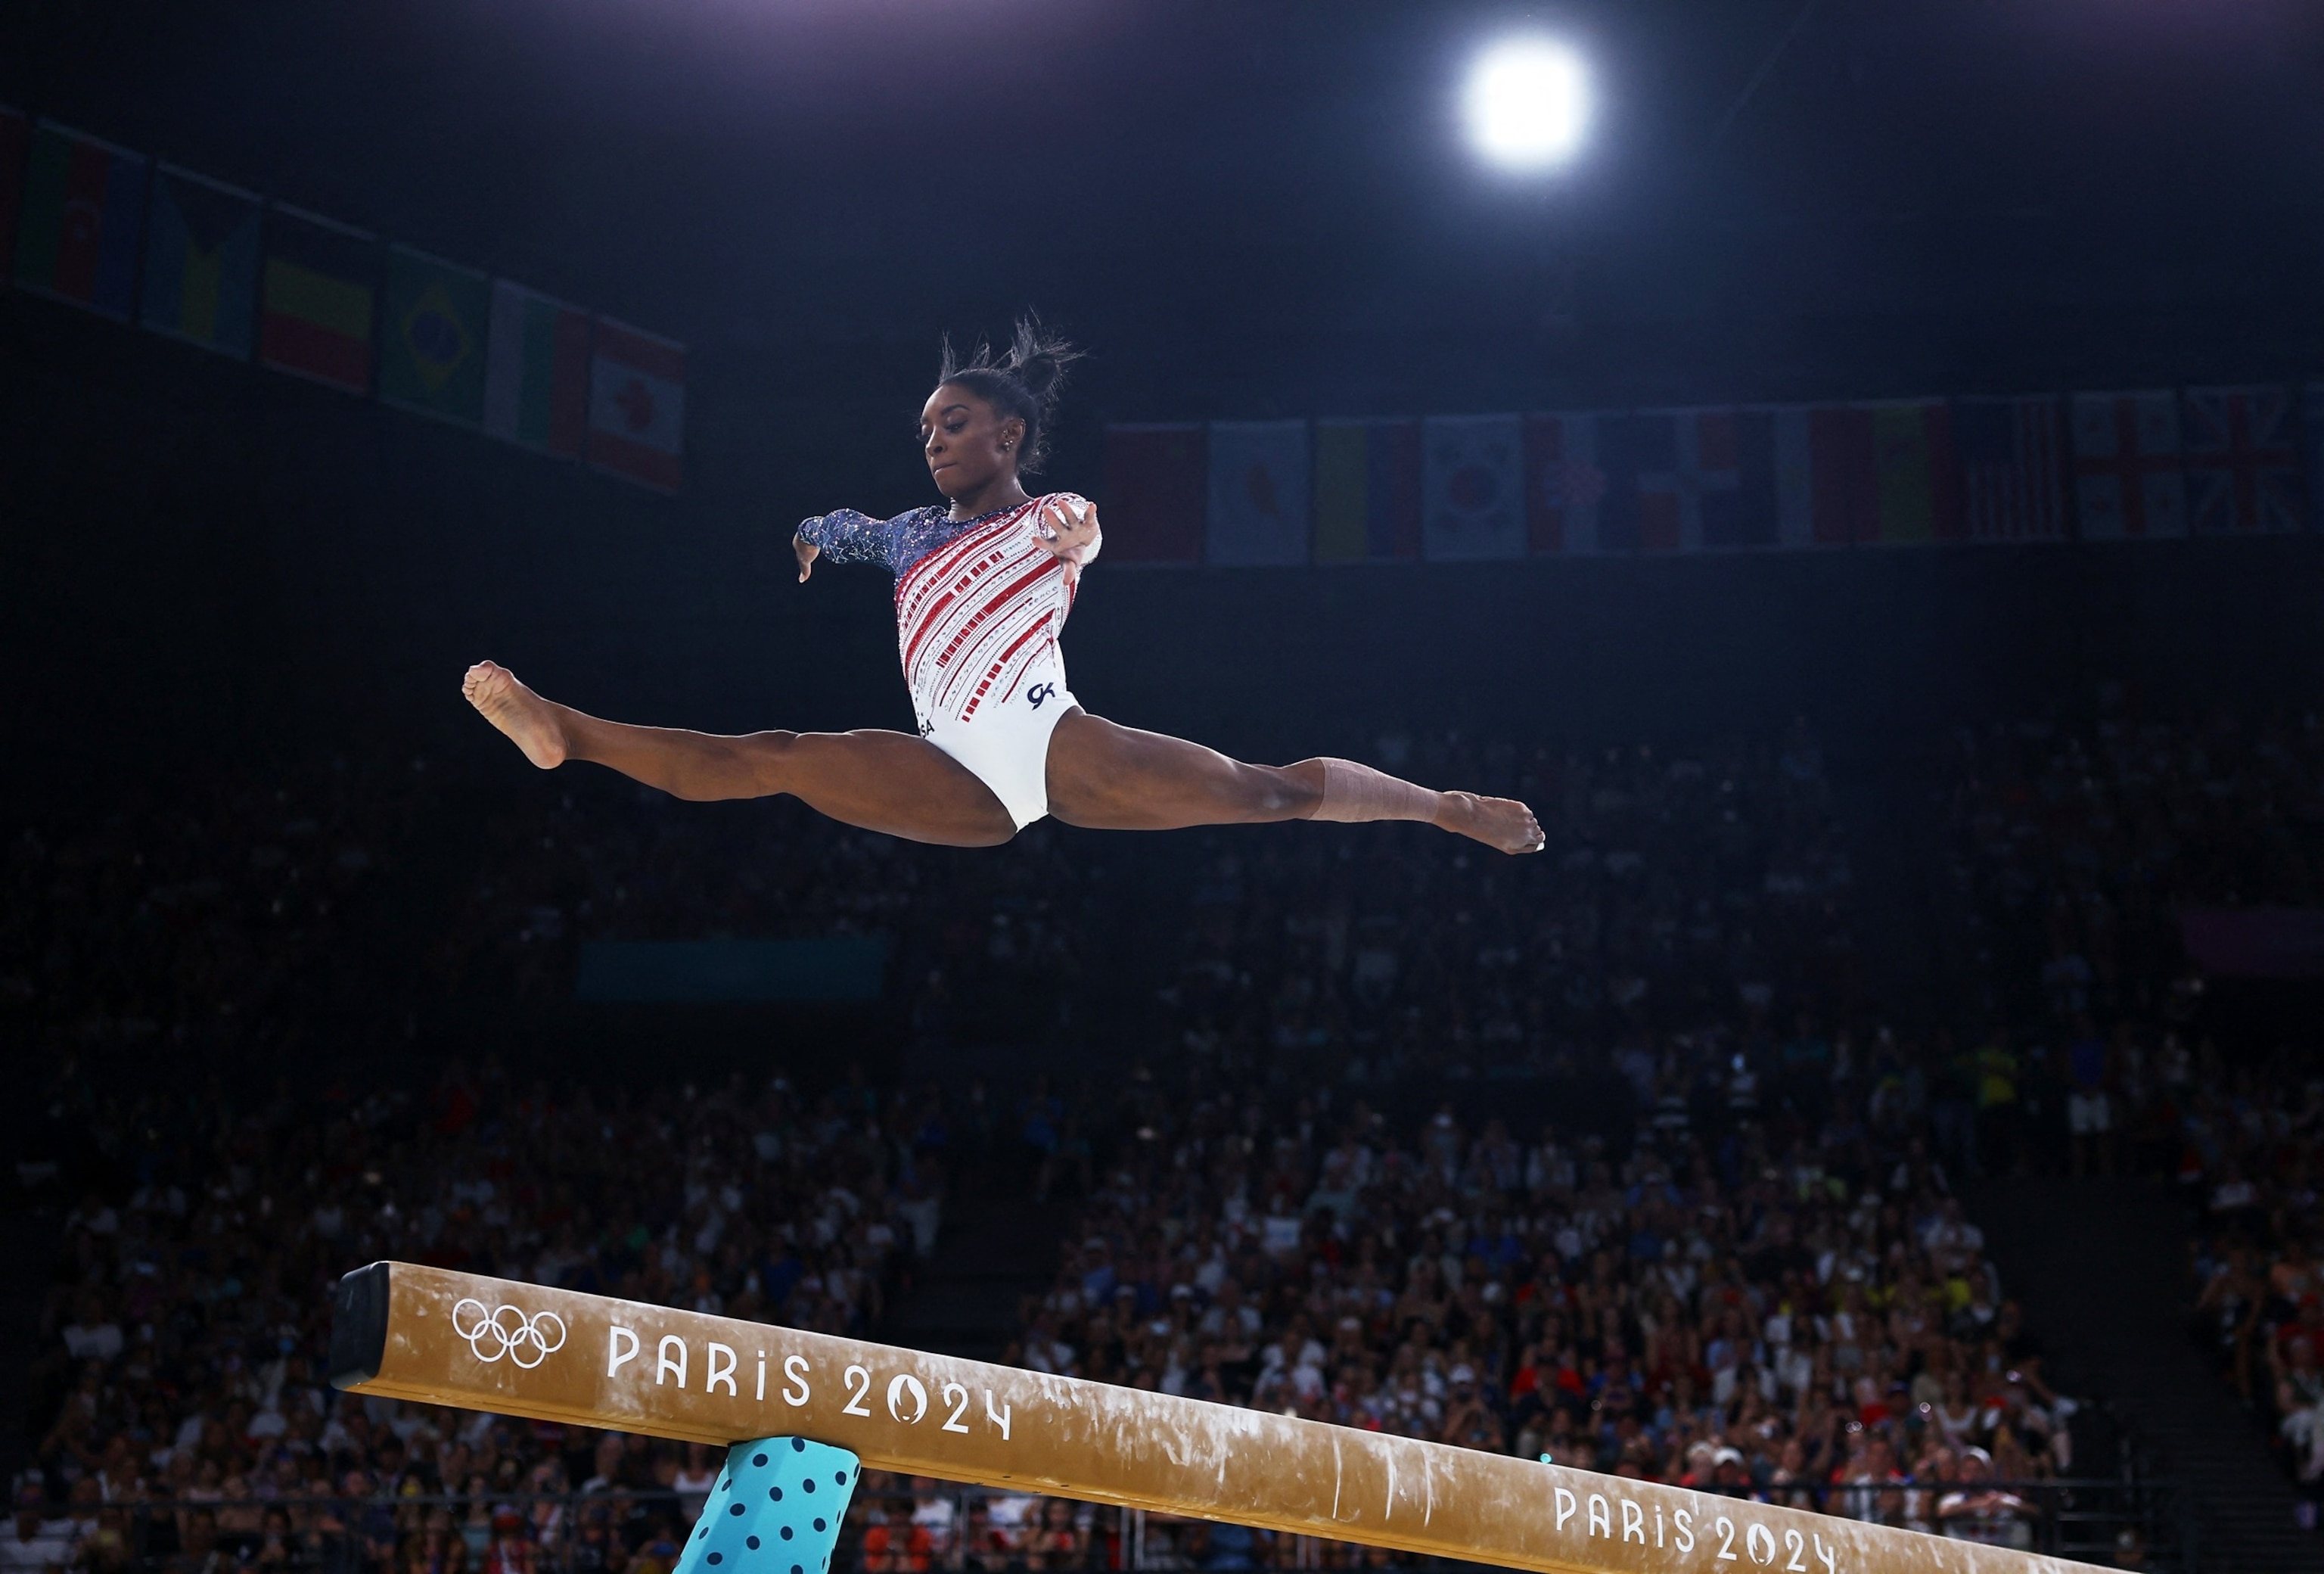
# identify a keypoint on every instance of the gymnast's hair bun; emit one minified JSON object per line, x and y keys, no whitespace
{"x":1022,"y":383}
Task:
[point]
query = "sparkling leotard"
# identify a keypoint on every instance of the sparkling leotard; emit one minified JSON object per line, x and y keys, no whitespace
{"x":845,"y":536}
{"x":980,"y":604}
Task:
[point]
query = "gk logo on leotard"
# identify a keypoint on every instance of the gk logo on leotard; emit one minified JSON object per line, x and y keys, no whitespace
{"x":1040,"y":693}
{"x":526,"y":1339}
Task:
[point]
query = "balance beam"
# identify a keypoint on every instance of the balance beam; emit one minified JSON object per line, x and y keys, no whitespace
{"x":436,"y":1336}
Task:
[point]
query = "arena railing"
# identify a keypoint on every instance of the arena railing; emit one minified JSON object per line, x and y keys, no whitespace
{"x":897,"y":1528}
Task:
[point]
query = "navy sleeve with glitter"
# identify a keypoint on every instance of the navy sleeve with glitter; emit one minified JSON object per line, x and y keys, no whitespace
{"x":845,"y":536}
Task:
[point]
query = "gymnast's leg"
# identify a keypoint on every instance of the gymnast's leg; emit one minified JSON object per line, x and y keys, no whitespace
{"x":1116,"y":778}
{"x":888,"y":781}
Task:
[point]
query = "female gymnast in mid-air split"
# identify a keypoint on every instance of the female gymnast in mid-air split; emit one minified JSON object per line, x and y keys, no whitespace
{"x":982,"y":592}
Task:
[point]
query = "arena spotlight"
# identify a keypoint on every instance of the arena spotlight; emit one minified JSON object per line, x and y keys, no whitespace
{"x":1528,"y":103}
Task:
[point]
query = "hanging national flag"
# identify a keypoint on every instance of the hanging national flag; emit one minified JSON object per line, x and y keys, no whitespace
{"x":15,"y":137}
{"x":1367,"y":491}
{"x":2130,"y":479}
{"x":2012,"y":459}
{"x":1780,"y":497}
{"x":1564,"y":485}
{"x":1694,"y":493}
{"x":316,"y":296}
{"x":1883,"y":473}
{"x":77,"y":230}
{"x":1625,"y":495}
{"x":1842,"y":478}
{"x":1915,"y":491}
{"x":1472,"y":487}
{"x":1258,"y":493}
{"x":637,"y":405}
{"x":1738,"y":456}
{"x":2243,"y":460}
{"x":1155,"y":494}
{"x":432,"y":352}
{"x":537,"y":372}
{"x":202,"y":263}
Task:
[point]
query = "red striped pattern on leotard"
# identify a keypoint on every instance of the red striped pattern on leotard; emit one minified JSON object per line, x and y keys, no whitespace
{"x":974,"y":616}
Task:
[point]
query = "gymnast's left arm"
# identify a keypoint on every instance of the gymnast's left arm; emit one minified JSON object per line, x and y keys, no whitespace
{"x":1067,"y":527}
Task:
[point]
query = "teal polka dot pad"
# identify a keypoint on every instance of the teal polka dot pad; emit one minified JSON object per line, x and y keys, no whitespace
{"x":776,"y":1510}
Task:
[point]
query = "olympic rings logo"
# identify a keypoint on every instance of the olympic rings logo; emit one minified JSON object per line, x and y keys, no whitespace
{"x":491,"y":1333}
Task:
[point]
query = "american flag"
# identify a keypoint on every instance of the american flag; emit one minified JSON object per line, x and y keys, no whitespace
{"x":2012,"y":458}
{"x":2243,"y":460}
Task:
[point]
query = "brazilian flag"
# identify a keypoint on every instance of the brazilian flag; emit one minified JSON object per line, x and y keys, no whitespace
{"x":433,"y":338}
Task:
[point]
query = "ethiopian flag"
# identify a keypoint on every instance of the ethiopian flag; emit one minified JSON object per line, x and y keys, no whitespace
{"x":536,"y":379}
{"x":202,"y":263}
{"x":77,"y":232}
{"x":315,"y":303}
{"x":432,"y":339}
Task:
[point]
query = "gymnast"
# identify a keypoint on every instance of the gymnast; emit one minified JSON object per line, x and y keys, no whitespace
{"x":982,"y":589}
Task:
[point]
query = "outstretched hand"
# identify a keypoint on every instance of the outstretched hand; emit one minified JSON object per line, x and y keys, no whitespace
{"x":807,"y":551}
{"x":1067,"y":527}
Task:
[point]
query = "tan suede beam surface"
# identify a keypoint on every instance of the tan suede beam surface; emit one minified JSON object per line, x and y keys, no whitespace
{"x":444,"y":1337}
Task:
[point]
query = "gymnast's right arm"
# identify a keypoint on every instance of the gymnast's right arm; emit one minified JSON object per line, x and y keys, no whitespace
{"x":844,"y":536}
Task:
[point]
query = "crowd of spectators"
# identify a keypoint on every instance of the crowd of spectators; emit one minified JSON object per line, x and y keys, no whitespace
{"x":1734,"y":1260}
{"x":2083,"y":850}
{"x":1607,"y":1154}
{"x":217,"y":910}
{"x":185,"y":1338}
{"x":1767,"y":1290}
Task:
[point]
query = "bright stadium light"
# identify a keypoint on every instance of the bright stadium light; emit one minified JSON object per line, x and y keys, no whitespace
{"x":1528,"y":103}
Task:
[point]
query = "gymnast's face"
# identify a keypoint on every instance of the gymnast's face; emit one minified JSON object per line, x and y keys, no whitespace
{"x":967,"y":445}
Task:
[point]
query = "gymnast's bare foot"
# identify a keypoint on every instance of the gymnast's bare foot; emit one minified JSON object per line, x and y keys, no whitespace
{"x":529,"y":720}
{"x":1498,"y":822}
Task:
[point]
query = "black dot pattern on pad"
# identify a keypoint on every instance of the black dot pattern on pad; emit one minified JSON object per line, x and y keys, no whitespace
{"x":763,"y":1525}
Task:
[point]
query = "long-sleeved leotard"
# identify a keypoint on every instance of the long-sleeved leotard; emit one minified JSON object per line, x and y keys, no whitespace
{"x":980,"y":604}
{"x":845,"y":536}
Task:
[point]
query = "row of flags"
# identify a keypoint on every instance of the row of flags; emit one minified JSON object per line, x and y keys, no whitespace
{"x":2046,"y":468}
{"x":213,"y":266}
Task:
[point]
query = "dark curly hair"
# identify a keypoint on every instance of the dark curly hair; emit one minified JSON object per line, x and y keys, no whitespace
{"x":1023,"y":383}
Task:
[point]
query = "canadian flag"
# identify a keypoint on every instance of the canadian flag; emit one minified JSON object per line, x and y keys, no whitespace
{"x":637,"y":405}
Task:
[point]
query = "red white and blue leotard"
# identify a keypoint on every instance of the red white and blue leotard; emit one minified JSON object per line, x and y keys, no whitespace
{"x":980,"y":604}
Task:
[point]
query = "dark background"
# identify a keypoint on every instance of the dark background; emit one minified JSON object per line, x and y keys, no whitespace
{"x":1242,"y":208}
